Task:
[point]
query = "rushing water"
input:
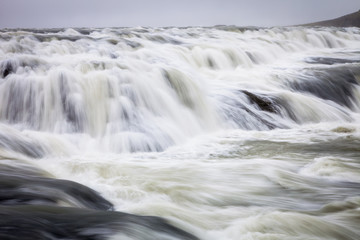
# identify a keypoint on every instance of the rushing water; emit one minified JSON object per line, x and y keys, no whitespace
{"x":217,"y":133}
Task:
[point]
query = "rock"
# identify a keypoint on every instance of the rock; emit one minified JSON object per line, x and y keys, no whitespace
{"x":18,"y":189}
{"x":49,"y":222}
{"x":265,"y":104}
{"x":6,"y":69}
{"x":343,"y":130}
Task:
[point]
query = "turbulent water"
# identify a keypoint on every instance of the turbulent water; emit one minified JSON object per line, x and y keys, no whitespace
{"x":180,"y":133}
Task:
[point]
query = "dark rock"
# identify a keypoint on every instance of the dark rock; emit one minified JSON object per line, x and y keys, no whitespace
{"x":7,"y":68}
{"x":264,"y":103}
{"x":46,"y":222}
{"x":15,"y":190}
{"x":21,"y":183}
{"x":28,"y":211}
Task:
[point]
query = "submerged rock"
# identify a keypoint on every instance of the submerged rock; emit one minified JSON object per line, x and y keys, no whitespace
{"x":330,"y":61}
{"x":336,"y":85}
{"x":22,"y":145}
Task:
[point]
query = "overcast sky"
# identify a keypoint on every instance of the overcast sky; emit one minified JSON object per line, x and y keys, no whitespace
{"x":128,"y":13}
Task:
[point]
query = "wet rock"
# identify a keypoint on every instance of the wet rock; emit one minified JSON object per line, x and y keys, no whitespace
{"x":15,"y":190}
{"x":46,"y":222}
{"x":7,"y":68}
{"x":22,"y":183}
{"x":264,"y":103}
{"x":29,"y":210}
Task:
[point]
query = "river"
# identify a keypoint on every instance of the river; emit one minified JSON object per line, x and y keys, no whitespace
{"x":219,"y":133}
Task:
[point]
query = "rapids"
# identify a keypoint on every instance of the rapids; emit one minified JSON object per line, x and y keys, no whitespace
{"x":210,"y":133}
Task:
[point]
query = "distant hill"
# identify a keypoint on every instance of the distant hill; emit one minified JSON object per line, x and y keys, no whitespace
{"x":350,"y":20}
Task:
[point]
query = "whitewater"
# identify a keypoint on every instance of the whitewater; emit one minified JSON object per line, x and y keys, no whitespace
{"x":180,"y":133}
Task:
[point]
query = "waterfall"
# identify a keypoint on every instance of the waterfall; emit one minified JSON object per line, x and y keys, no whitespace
{"x":180,"y":133}
{"x":145,"y":89}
